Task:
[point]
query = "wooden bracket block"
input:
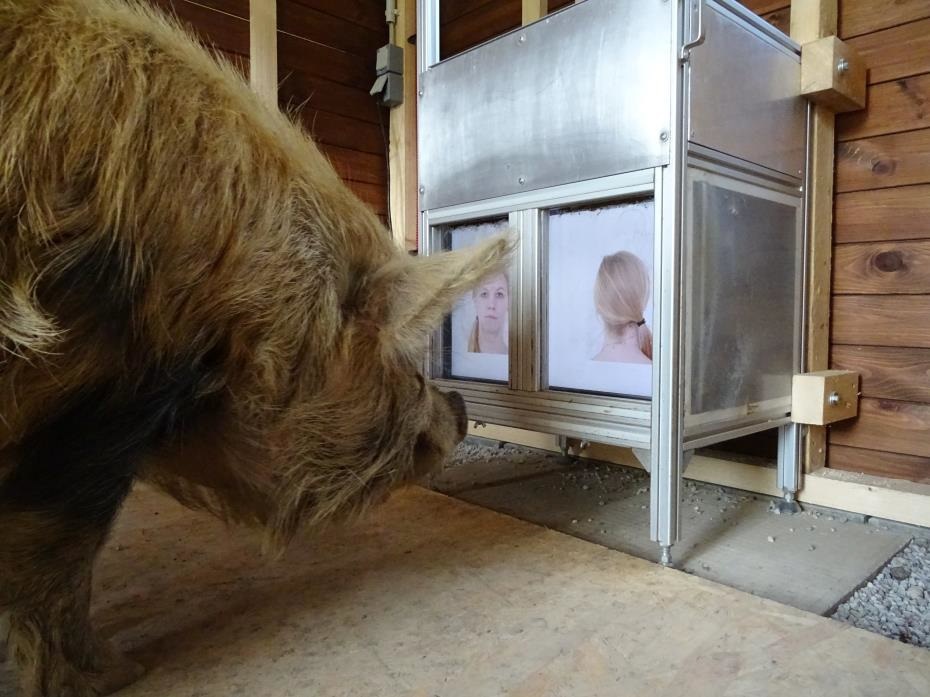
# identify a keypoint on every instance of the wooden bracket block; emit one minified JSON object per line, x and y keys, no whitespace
{"x":824,"y":397}
{"x":833,"y":74}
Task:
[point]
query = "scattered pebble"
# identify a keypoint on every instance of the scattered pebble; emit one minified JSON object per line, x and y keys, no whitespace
{"x":899,"y":573}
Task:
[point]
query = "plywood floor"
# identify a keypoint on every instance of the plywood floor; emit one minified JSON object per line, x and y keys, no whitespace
{"x":436,"y":597}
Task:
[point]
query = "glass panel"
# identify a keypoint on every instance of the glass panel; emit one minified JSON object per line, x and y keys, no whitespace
{"x":476,"y":335}
{"x":742,"y":306}
{"x":599,"y":298}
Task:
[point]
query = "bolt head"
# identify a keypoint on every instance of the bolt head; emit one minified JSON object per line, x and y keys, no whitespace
{"x":422,"y":189}
{"x":522,"y":38}
{"x":663,"y":136}
{"x":522,"y":180}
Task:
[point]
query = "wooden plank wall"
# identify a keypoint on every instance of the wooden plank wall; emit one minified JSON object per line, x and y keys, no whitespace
{"x":881,"y":282}
{"x":881,"y":285}
{"x":326,"y":66}
{"x":222,"y":25}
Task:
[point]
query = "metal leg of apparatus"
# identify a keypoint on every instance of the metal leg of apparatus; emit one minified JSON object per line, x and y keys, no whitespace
{"x":665,"y":499}
{"x":789,"y":467}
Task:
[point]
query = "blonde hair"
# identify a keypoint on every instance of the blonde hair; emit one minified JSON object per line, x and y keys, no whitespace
{"x":474,"y":346}
{"x":621,"y":293}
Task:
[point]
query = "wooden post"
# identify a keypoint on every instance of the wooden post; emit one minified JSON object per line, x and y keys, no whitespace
{"x":812,"y":20}
{"x":534,"y":9}
{"x":263,"y":50}
{"x":402,"y":155}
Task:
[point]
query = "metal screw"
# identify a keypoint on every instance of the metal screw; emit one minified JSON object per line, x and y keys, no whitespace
{"x":420,"y":92}
{"x":522,"y":38}
{"x":833,"y":399}
{"x":663,"y":136}
{"x":522,"y":180}
{"x":422,"y":189}
{"x":842,"y":66}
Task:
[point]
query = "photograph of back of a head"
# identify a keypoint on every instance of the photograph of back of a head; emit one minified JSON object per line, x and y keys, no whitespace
{"x":480,"y":320}
{"x":600,"y":299}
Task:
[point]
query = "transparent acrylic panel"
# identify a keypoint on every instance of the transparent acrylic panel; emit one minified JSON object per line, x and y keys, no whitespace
{"x":599,"y":298}
{"x":742,"y":285}
{"x":475,"y":336}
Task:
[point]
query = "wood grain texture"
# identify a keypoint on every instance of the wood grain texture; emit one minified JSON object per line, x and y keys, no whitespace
{"x":882,"y":320}
{"x":334,"y":129}
{"x":217,"y":29}
{"x":478,"y":26}
{"x":893,"y":107}
{"x":882,"y":267}
{"x":899,"y":159}
{"x":762,"y":7}
{"x":367,"y":13}
{"x":880,"y":464}
{"x":867,"y":16}
{"x":887,"y":425}
{"x":894,"y":53}
{"x":884,"y":214}
{"x":352,"y":165}
{"x":887,"y":372}
{"x":296,"y":88}
{"x":451,"y":10}
{"x":308,"y":23}
{"x":559,"y":4}
{"x":780,"y":19}
{"x":324,"y":61}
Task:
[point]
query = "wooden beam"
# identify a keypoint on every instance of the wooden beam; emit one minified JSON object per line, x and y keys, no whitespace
{"x":534,"y":9}
{"x":812,"y":20}
{"x":402,"y":151}
{"x":263,"y":50}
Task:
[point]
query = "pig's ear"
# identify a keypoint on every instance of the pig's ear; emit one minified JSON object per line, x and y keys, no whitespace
{"x":423,"y":290}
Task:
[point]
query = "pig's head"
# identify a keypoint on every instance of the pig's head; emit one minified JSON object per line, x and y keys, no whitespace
{"x":378,"y":423}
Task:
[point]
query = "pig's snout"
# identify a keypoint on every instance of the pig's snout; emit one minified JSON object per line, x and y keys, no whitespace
{"x":457,"y":404}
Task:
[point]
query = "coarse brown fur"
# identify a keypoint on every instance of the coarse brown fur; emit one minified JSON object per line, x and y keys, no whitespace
{"x":189,"y":295}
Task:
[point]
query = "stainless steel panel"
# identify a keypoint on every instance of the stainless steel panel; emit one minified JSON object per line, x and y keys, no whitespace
{"x":582,"y":94}
{"x":742,"y":290}
{"x":744,"y":95}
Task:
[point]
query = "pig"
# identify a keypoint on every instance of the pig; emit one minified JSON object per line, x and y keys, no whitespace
{"x":190,"y":297}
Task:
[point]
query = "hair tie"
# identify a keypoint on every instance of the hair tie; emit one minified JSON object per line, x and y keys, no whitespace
{"x":641,"y":322}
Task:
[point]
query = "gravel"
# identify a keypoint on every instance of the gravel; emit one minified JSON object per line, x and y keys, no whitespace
{"x":896,"y":603}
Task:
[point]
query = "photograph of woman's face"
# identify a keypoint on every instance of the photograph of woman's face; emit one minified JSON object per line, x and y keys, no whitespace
{"x":491,"y":300}
{"x":478,"y":329}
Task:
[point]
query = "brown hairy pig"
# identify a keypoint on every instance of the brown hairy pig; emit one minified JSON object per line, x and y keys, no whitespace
{"x":189,"y":296}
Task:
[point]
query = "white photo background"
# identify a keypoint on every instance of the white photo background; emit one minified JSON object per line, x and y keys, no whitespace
{"x":584,"y":352}
{"x":491,"y":361}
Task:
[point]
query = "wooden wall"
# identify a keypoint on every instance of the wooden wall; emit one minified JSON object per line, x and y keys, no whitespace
{"x":221,"y":24}
{"x":326,"y":65}
{"x":881,"y":265}
{"x":881,"y":284}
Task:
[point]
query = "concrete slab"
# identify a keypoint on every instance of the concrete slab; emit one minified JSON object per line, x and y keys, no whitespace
{"x":435,"y":597}
{"x":813,"y":560}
